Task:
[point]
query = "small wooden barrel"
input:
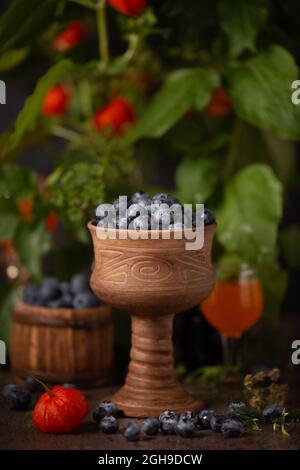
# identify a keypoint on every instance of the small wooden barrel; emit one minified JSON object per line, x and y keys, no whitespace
{"x":62,"y":345}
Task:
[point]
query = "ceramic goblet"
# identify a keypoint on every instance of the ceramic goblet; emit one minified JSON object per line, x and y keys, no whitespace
{"x":153,"y":279}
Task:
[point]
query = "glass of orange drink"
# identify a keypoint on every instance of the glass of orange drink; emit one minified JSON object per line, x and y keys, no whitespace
{"x":235,"y":304}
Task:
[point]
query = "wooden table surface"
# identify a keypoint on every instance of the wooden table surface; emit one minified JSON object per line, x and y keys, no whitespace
{"x":17,"y":430}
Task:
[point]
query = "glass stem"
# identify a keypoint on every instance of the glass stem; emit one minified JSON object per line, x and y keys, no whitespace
{"x":231,"y":353}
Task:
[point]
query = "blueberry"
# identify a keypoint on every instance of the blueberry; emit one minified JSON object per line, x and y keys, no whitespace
{"x":140,"y":223}
{"x":68,"y":385}
{"x":85,"y":300}
{"x":272,"y":412}
{"x":187,"y":416}
{"x":19,"y":400}
{"x":167,"y":414}
{"x":163,"y":198}
{"x":235,"y":408}
{"x":49,"y":291}
{"x":121,"y":206}
{"x":185,"y":428}
{"x":163,"y":217}
{"x":50,"y":282}
{"x":106,"y":408}
{"x":33,"y":385}
{"x":7,"y":389}
{"x":79,"y":283}
{"x":109,"y":425}
{"x":168,"y":425}
{"x":53,"y":303}
{"x":31,"y":294}
{"x":66,"y":301}
{"x":216,"y":422}
{"x":232,"y":428}
{"x":203,"y":419}
{"x":65,"y":288}
{"x":132,"y":431}
{"x":150,"y":426}
{"x":206,"y":216}
{"x":139,"y":197}
{"x":136,"y":210}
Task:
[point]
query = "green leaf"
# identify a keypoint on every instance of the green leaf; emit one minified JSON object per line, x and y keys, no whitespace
{"x":32,"y":242}
{"x":16,"y":182}
{"x":242,"y":20}
{"x":196,"y":179}
{"x":248,"y":225}
{"x":31,"y":113}
{"x":8,"y":225}
{"x":13,"y":58}
{"x":23,"y":21}
{"x":7,"y":306}
{"x":260,"y":90}
{"x":182,"y":90}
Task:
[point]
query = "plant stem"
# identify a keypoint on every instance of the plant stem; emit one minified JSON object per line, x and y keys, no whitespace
{"x":47,"y":389}
{"x":85,"y":98}
{"x":232,"y":152}
{"x":67,"y":134}
{"x":102,"y":31}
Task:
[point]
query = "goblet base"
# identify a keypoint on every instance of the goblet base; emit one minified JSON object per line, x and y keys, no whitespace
{"x":141,"y":405}
{"x":151,"y":384}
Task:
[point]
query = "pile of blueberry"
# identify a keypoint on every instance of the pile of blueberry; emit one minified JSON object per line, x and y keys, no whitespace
{"x":19,"y":398}
{"x":52,"y":293}
{"x":145,"y":213}
{"x":184,"y":425}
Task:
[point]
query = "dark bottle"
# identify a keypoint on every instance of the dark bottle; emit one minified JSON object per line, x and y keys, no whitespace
{"x":200,"y":342}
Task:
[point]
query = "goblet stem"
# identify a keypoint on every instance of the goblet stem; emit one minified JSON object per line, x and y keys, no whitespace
{"x":231,"y":354}
{"x":151,"y":384}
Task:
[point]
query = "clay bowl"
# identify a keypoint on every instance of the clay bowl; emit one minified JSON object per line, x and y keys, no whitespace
{"x":153,"y":279}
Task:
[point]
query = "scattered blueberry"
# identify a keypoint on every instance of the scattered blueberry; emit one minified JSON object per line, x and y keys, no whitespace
{"x":167,"y":414}
{"x":7,"y":389}
{"x":18,"y":399}
{"x":188,"y":416}
{"x":235,"y":408}
{"x":69,"y":385}
{"x":168,"y":425}
{"x":185,"y":428}
{"x":106,"y":408}
{"x":150,"y":426}
{"x":272,"y":412}
{"x":132,"y":431}
{"x":216,"y":422}
{"x":85,"y":300}
{"x":33,"y":385}
{"x":232,"y":428}
{"x":109,"y":425}
{"x":203,"y":419}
